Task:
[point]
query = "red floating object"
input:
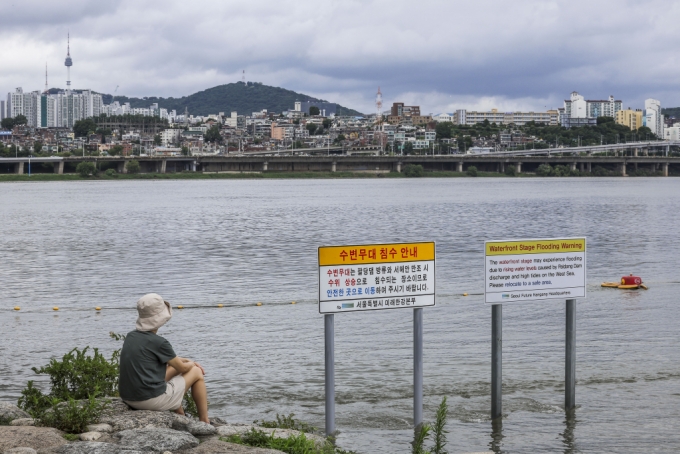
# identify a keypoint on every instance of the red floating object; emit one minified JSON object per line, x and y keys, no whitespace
{"x":631,"y":280}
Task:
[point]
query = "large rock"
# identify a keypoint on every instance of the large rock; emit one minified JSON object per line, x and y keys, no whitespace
{"x":139,"y":419}
{"x":10,"y":412}
{"x":192,"y":426}
{"x":156,"y":440}
{"x":94,"y":447}
{"x":23,"y":422}
{"x":222,"y":447}
{"x":234,"y":429}
{"x":102,"y":428}
{"x":21,"y":451}
{"x":29,"y":437}
{"x":90,"y":436}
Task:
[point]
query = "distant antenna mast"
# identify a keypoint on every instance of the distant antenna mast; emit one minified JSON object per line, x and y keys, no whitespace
{"x":46,"y":88}
{"x":243,"y":78}
{"x":378,"y":108}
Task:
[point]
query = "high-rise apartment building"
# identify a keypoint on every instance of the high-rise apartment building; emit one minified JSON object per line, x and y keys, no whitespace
{"x":653,"y":118}
{"x":60,"y":110}
{"x":579,"y":111}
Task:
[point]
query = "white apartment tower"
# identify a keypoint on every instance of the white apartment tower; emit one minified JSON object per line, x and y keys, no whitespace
{"x":653,"y":118}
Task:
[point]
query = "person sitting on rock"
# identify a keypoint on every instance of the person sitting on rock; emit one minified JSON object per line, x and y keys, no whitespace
{"x":152,"y":376}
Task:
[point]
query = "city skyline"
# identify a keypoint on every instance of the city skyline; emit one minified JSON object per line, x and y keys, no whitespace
{"x":531,"y":62}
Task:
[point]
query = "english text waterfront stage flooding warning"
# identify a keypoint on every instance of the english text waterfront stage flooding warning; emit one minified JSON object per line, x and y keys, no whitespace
{"x":523,"y":270}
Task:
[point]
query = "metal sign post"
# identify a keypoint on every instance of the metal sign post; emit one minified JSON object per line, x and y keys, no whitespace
{"x":329,"y":334}
{"x":496,"y":361}
{"x":570,"y":358}
{"x":529,"y":270}
{"x":375,"y":277}
{"x":417,"y":367}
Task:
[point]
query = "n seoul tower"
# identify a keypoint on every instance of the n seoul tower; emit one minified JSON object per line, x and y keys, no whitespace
{"x":68,"y":63}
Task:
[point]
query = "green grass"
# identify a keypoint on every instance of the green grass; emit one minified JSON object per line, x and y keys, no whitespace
{"x":71,"y":437}
{"x":292,"y":445}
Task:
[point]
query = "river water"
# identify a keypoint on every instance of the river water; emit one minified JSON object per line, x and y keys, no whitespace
{"x":198,"y":243}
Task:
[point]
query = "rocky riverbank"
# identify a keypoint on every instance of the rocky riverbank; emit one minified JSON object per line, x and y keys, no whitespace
{"x":121,"y":430}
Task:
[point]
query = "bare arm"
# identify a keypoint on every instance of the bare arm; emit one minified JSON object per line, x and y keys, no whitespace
{"x":181,"y":365}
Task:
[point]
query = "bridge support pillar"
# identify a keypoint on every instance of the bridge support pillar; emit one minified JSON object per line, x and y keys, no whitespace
{"x":501,"y":167}
{"x":573,"y":166}
{"x":665,"y":169}
{"x":635,"y":165}
{"x":399,"y":167}
{"x":635,"y":152}
{"x":334,"y":166}
{"x":265,"y":166}
{"x":590,"y":167}
{"x":623,"y":169}
{"x":519,"y":167}
{"x":580,"y":165}
{"x":459,"y":167}
{"x":59,"y":168}
{"x":19,"y":169}
{"x":164,"y":164}
{"x":193,"y":166}
{"x":121,"y":167}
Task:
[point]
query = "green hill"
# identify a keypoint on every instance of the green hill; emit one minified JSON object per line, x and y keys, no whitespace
{"x":671,"y":112}
{"x":243,"y":98}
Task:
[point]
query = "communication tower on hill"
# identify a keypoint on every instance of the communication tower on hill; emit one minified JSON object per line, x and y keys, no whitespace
{"x":46,"y":88}
{"x":68,"y":63}
{"x":243,"y":78}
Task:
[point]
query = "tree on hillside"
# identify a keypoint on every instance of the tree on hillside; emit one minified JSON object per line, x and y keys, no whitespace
{"x":443,"y":130}
{"x":314,"y":111}
{"x":157,"y":139}
{"x":20,"y":120}
{"x":7,"y":123}
{"x":311,"y":127}
{"x":327,"y":123}
{"x":37,"y":147}
{"x":408,"y":148}
{"x":82,"y":128}
{"x":115,"y":150}
{"x":213,"y":135}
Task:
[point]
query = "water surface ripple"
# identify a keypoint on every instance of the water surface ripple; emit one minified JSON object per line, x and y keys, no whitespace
{"x":77,"y":245}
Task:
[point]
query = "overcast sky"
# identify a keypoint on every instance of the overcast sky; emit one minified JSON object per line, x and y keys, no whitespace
{"x":441,"y":55}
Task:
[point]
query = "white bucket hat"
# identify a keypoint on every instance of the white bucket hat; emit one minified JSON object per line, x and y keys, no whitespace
{"x":153,"y":312}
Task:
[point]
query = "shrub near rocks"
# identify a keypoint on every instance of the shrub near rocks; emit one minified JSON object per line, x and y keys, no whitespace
{"x":76,"y":381}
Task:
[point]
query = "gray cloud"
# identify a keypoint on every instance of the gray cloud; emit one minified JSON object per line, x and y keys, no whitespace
{"x":526,"y":54}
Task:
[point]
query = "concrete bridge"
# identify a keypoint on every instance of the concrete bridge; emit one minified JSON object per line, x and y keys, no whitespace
{"x":496,"y":162}
{"x":629,"y":148}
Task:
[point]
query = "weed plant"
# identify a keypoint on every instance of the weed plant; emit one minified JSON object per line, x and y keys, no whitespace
{"x":76,"y":381}
{"x":287,"y":422}
{"x":422,"y":433}
{"x":292,"y":445}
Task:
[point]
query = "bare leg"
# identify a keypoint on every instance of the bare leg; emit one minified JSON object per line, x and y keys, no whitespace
{"x":194,"y":380}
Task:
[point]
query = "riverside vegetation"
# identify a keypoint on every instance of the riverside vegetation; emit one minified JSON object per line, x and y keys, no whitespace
{"x":83,"y":382}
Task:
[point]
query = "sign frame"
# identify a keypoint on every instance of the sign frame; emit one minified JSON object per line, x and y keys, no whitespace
{"x":431,"y":292}
{"x":528,"y":241}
